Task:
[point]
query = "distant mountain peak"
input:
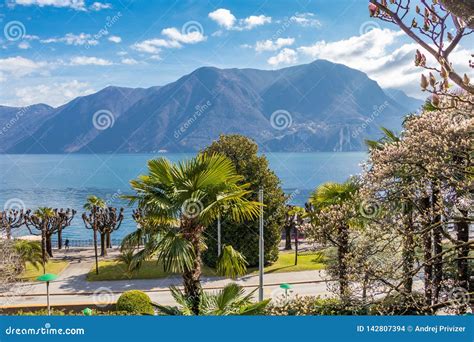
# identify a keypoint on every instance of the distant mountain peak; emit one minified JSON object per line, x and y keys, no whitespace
{"x":320,"y":106}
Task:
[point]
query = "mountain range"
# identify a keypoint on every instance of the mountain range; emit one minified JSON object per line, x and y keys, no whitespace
{"x":321,"y":106}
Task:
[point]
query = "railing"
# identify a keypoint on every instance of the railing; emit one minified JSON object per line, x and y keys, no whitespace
{"x":86,"y":242}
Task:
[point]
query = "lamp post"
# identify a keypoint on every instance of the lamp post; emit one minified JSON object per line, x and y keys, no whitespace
{"x":219,"y":235}
{"x":47,"y":277}
{"x":260,"y":247}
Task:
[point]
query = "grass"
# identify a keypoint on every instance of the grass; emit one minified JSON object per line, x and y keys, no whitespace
{"x":116,"y":270}
{"x":52,"y":266}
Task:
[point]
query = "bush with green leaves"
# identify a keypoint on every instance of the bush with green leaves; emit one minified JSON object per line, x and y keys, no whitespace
{"x":244,"y":236}
{"x":136,"y":302}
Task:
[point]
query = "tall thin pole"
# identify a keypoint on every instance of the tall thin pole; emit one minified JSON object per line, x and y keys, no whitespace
{"x":47,"y":298}
{"x":261,"y":260}
{"x":219,"y":236}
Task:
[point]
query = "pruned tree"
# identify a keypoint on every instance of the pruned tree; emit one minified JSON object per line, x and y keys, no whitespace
{"x":48,"y":222}
{"x":11,"y":219}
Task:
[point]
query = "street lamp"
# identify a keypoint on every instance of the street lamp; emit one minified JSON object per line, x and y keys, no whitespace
{"x":47,"y":277}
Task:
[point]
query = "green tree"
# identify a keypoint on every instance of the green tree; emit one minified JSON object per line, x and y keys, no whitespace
{"x":255,"y":171}
{"x":179,"y":202}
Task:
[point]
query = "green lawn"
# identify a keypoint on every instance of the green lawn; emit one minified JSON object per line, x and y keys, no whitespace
{"x":115,"y":270}
{"x":52,"y":266}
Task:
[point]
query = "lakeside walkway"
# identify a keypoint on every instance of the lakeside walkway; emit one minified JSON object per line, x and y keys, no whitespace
{"x":72,"y":286}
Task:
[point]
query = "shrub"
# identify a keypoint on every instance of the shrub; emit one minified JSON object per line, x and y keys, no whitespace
{"x":136,"y":302}
{"x":301,"y":306}
{"x":255,"y":171}
{"x":399,"y":304}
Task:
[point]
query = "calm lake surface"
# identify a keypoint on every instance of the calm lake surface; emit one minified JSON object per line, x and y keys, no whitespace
{"x":66,"y":180}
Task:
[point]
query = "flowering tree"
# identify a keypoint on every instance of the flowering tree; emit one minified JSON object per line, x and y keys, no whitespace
{"x":430,"y":171}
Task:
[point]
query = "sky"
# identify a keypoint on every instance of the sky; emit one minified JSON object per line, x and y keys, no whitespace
{"x":52,"y":51}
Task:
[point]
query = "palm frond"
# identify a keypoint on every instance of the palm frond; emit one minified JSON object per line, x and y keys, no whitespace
{"x":231,"y":263}
{"x":175,"y":252}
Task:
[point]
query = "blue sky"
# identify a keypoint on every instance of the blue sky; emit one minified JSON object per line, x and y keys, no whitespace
{"x":54,"y":50}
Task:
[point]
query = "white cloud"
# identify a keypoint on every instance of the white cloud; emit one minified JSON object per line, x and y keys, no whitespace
{"x":191,"y":37}
{"x":377,"y":53}
{"x":115,"y":39}
{"x":24,"y":45}
{"x":97,"y":6}
{"x":285,"y":56}
{"x":54,"y":94}
{"x":83,"y":60}
{"x":225,"y":19}
{"x":305,"y":19}
{"x":74,"y":4}
{"x":78,"y":5}
{"x":16,"y":67}
{"x":174,"y":40}
{"x":256,"y":20}
{"x":129,"y":61}
{"x":269,"y":45}
{"x":73,"y":39}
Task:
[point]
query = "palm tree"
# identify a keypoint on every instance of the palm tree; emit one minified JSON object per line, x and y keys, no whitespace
{"x":29,"y":251}
{"x":231,"y":300}
{"x":327,"y":196}
{"x":94,"y":201}
{"x":179,"y":201}
{"x":93,"y":204}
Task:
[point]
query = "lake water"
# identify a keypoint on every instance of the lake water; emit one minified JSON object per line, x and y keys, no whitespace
{"x":66,"y":180}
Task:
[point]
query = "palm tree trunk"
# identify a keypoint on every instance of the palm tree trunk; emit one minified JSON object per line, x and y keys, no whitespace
{"x":192,"y":277}
{"x":103,"y":249}
{"x":95,"y":253}
{"x":49,"y":247}
{"x":296,"y":245}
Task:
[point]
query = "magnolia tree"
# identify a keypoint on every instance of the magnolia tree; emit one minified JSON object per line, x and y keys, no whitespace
{"x":428,"y":175}
{"x":438,"y":32}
